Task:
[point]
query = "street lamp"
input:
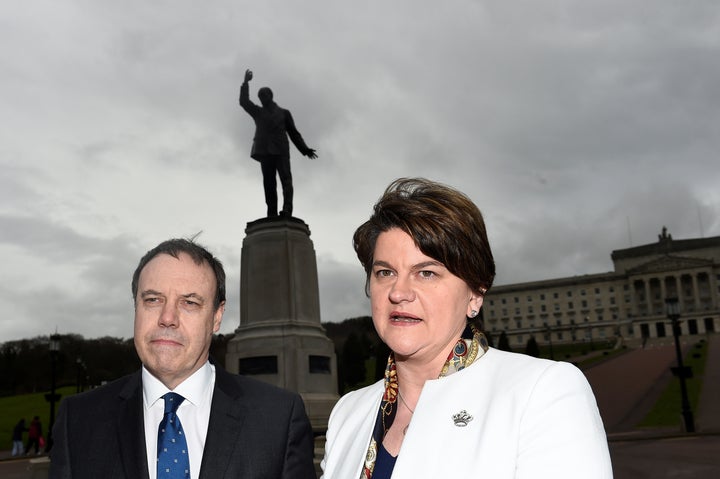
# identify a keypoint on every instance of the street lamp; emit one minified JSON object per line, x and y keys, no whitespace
{"x":52,"y":398}
{"x":80,"y":374}
{"x":673,"y":313}
{"x":549,"y":335}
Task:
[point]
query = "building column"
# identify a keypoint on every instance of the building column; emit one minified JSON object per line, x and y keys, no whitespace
{"x":696,"y":291}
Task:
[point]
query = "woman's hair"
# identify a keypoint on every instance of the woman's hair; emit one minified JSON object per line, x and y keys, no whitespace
{"x":443,"y":222}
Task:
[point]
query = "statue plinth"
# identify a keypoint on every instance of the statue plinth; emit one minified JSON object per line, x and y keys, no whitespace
{"x":280,"y":339}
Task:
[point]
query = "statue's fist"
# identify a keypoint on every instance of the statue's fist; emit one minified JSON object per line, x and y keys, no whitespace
{"x":248,"y":75}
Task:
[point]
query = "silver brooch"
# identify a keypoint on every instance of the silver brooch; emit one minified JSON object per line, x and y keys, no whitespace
{"x":462,"y":418}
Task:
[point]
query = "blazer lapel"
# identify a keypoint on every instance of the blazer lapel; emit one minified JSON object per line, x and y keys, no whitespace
{"x":226,"y":417}
{"x":131,"y":429}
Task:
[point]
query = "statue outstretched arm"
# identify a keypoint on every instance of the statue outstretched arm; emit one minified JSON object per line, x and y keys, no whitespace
{"x":245,"y":101}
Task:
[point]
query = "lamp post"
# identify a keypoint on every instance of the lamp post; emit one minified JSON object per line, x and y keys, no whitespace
{"x":80,"y":374}
{"x":549,"y":333}
{"x":52,"y":398}
{"x":673,"y":313}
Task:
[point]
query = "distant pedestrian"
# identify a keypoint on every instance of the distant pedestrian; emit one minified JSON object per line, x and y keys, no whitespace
{"x":34,"y":435}
{"x":17,"y":440}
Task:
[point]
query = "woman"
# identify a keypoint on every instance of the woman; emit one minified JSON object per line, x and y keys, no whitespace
{"x":449,"y":405}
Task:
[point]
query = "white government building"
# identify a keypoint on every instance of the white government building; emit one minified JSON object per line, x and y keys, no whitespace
{"x":623,"y":305}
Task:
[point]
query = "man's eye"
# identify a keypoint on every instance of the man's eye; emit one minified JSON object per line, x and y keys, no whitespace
{"x":151,"y":300}
{"x":427,"y":274}
{"x":383,"y":273}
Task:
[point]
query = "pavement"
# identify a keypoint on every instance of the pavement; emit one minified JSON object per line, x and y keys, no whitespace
{"x":626,"y":386}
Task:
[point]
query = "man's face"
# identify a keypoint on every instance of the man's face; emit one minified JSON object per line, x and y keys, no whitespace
{"x":174,"y":317}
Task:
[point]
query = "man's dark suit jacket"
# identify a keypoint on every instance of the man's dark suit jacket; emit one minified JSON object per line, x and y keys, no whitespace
{"x":256,"y":431}
{"x":273,"y":125}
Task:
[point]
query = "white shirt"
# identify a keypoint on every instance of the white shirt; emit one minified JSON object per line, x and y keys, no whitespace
{"x":194,"y":414}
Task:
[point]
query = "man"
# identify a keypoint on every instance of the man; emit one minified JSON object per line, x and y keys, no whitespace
{"x":233,"y":426}
{"x":270,"y":145}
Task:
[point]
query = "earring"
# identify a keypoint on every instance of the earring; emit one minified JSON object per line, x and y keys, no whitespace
{"x":473,"y":313}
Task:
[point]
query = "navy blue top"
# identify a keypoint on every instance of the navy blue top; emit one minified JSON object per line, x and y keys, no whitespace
{"x":384,"y":464}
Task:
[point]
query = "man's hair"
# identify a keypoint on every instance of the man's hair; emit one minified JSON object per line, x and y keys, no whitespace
{"x":444,"y":224}
{"x":174,"y":247}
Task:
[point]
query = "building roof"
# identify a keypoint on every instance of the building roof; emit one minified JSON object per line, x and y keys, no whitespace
{"x":666,"y":245}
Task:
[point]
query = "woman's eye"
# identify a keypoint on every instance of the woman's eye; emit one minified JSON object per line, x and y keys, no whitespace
{"x":427,"y":274}
{"x":383,"y":273}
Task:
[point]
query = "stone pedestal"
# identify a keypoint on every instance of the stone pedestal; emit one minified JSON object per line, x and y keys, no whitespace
{"x":280,"y":339}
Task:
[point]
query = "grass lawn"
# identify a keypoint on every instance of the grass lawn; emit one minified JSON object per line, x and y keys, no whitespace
{"x":14,"y":408}
{"x":667,"y":410}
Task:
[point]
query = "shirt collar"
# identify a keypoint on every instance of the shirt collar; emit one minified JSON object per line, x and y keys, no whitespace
{"x":193,"y":389}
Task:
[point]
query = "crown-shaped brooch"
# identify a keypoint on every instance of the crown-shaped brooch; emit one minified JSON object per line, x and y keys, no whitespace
{"x":462,"y":418}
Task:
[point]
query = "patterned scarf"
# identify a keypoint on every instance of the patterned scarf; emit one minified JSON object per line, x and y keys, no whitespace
{"x":465,"y":352}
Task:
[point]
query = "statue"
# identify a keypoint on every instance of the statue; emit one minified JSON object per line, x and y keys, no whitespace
{"x":273,"y":125}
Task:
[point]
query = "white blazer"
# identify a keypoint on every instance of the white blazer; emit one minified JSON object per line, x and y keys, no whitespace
{"x":531,"y":418}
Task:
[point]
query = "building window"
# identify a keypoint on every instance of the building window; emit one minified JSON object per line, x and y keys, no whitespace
{"x":530,"y":309}
{"x":557,"y":307}
{"x":517,"y":300}
{"x":582,"y":292}
{"x":258,"y":365}
{"x":543,"y":308}
{"x":584,"y":303}
{"x":518,"y":323}
{"x":611,"y":289}
{"x":542,"y":296}
{"x":555,"y":295}
{"x":597,"y":290}
{"x":517,"y":311}
{"x":612,"y":300}
{"x":569,"y":294}
{"x":492,"y":302}
{"x":570,"y":305}
{"x":529,"y":299}
{"x":319,"y":364}
{"x":504,"y":301}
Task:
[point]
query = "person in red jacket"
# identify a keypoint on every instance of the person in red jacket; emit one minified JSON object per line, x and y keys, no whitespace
{"x":34,"y":435}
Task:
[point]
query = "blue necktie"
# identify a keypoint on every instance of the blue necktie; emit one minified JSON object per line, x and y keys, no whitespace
{"x":173,"y":461}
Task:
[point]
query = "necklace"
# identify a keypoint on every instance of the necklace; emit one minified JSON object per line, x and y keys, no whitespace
{"x":402,"y":399}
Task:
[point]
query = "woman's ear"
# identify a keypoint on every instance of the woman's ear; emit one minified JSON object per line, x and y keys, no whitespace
{"x":476,"y":301}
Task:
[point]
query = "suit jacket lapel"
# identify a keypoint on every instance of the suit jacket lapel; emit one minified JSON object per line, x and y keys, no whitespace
{"x":131,"y":429}
{"x":226,"y":417}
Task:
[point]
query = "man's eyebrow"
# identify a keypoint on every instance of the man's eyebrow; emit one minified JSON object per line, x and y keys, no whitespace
{"x":384,"y":264}
{"x":193,"y":296}
{"x":150,"y":292}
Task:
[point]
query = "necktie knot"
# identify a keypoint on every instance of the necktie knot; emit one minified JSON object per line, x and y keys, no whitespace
{"x":172,"y":402}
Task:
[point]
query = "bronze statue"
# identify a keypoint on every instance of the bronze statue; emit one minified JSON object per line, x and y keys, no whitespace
{"x":273,"y":125}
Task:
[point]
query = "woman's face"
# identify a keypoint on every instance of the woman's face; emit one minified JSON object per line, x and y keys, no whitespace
{"x":419,"y":308}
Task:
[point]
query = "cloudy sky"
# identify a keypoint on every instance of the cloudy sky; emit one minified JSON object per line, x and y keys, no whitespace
{"x":577,"y":127}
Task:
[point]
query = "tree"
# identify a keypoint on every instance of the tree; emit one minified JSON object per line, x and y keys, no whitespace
{"x":532,"y":348}
{"x":353,"y":359}
{"x":503,"y":342}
